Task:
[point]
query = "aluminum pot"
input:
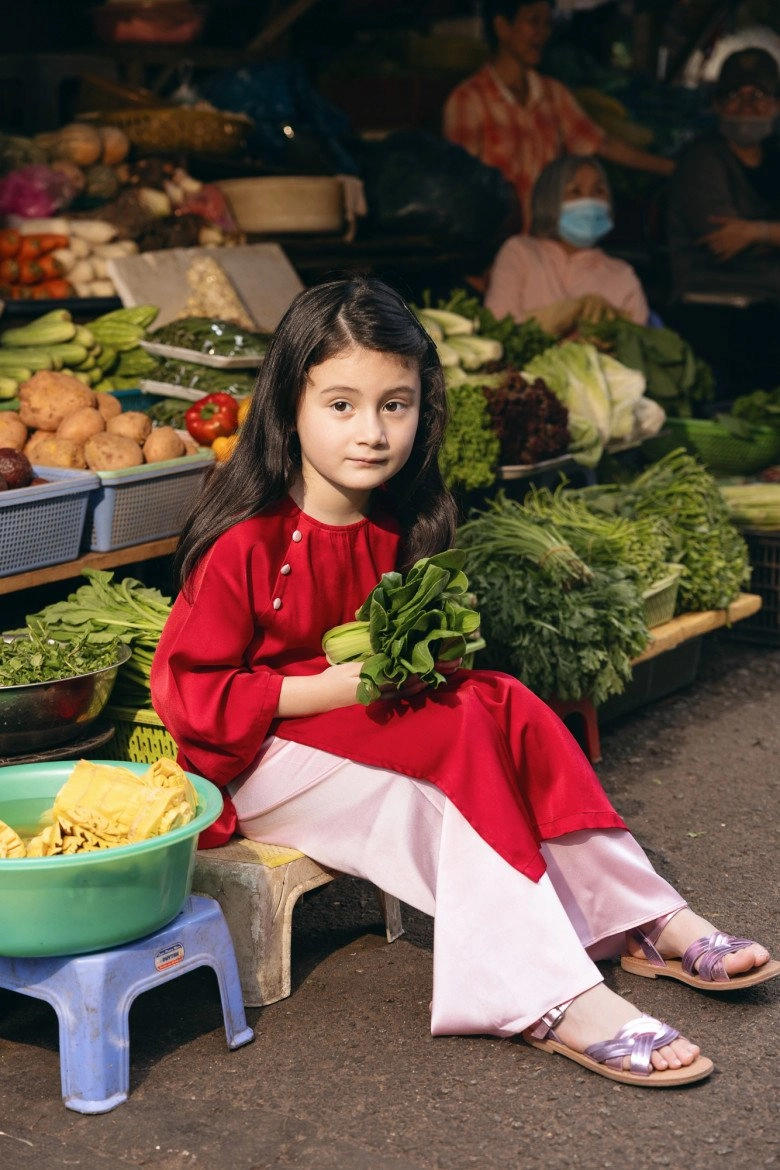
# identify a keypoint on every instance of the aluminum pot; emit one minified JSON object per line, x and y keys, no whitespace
{"x":36,"y":716}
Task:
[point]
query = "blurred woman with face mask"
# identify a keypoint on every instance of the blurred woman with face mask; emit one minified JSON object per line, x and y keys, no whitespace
{"x":558,"y":274}
{"x":724,"y":198}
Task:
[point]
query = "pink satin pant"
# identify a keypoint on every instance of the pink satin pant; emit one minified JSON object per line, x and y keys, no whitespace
{"x":506,"y":949}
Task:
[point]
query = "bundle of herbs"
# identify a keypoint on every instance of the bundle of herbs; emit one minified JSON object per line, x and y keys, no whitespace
{"x":105,"y":611}
{"x":563,"y":627}
{"x":407,"y":625}
{"x":639,"y":545}
{"x":681,"y":496}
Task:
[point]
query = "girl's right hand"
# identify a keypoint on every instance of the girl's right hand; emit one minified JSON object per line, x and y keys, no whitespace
{"x":313,"y":694}
{"x":339,"y":684}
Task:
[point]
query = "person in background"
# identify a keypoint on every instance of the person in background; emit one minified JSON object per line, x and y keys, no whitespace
{"x":724,"y":199}
{"x":517,"y":120}
{"x":558,"y":274}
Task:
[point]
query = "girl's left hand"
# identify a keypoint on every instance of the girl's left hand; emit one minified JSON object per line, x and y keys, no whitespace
{"x":732,"y":236}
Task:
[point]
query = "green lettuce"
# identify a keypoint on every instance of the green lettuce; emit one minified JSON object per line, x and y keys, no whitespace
{"x":408,"y":624}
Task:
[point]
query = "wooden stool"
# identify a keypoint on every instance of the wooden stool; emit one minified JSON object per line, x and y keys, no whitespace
{"x":257,"y":886}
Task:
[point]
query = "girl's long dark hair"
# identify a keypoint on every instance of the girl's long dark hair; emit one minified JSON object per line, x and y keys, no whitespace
{"x":320,"y":323}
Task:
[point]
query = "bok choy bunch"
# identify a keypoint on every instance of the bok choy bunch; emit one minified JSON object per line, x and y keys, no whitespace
{"x":408,"y":624}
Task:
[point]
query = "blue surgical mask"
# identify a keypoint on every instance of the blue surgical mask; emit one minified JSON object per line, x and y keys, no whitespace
{"x":746,"y":131}
{"x":582,"y":222}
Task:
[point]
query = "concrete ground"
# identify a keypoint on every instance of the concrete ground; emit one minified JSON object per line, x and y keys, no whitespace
{"x":344,"y":1074}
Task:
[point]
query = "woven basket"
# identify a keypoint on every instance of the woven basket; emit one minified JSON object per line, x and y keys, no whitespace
{"x":139,"y":735}
{"x":169,"y":129}
{"x":661,"y":598}
{"x":717,"y":447}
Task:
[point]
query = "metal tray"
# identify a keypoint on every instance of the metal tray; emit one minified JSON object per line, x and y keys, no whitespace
{"x":216,"y":361}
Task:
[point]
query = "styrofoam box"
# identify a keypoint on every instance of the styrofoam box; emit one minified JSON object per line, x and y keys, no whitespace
{"x":144,"y":503}
{"x":43,"y":524}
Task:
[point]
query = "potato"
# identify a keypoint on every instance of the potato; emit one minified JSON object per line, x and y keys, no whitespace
{"x":81,"y":424}
{"x":52,"y":451}
{"x":13,"y":432}
{"x":133,"y":424}
{"x":108,"y":406}
{"x":163,"y":443}
{"x":46,"y":397}
{"x":112,"y":452}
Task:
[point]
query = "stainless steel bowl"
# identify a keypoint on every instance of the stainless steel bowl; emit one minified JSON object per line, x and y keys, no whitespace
{"x":41,"y":715}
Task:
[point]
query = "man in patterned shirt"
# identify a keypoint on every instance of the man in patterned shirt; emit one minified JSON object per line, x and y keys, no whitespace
{"x":518,"y":120}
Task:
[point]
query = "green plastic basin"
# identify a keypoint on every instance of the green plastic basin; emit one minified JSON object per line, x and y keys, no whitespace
{"x":90,"y":901}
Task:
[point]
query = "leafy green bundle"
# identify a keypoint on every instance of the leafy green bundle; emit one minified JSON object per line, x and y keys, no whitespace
{"x":564,"y":627}
{"x":674,"y":376}
{"x":408,"y":624}
{"x":683,"y":498}
{"x":105,"y":610}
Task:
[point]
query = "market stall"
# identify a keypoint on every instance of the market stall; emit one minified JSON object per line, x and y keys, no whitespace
{"x":149,"y":244}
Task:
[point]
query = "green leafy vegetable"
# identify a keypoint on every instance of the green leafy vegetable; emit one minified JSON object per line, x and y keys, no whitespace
{"x":674,"y":376}
{"x":31,"y":657}
{"x":104,"y":611}
{"x":469,"y":454}
{"x":564,"y":628}
{"x":682,"y":496}
{"x":407,"y":625}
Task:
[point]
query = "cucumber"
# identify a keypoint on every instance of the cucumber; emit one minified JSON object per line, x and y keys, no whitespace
{"x":38,"y":334}
{"x":32,"y":359}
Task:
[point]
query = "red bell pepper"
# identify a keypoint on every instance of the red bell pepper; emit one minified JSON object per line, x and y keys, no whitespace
{"x":212,"y":417}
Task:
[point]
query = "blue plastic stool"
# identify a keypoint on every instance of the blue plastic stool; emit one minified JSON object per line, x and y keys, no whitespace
{"x":92,"y":995}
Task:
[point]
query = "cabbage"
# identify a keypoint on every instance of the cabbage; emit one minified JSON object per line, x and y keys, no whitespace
{"x":602,"y":395}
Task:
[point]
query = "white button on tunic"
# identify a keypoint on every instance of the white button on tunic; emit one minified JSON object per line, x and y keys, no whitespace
{"x":297,"y":536}
{"x":277,"y":603}
{"x":285,"y":569}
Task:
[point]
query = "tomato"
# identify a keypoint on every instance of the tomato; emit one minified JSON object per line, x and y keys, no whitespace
{"x":212,"y":417}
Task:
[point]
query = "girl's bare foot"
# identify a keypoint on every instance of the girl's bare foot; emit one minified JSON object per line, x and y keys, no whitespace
{"x":598,"y":1014}
{"x":685,"y":928}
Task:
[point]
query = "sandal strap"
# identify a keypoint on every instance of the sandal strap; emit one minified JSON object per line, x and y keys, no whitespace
{"x":709,"y":953}
{"x":637,"y":1039}
{"x":647,"y":938}
{"x":549,"y":1021}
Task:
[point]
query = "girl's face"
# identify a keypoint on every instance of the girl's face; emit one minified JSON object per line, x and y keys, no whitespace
{"x":585,"y":183}
{"x":356,"y":423}
{"x":524,"y":37}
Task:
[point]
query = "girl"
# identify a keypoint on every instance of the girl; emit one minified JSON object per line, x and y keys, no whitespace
{"x":471,"y":802}
{"x":558,"y":274}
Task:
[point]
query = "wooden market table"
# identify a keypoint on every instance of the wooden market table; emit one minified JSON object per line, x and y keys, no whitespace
{"x":93,"y":560}
{"x":691,"y":625}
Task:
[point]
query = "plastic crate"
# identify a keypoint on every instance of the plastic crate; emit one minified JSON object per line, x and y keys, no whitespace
{"x":654,"y":679}
{"x":139,"y":735}
{"x":764,"y":556}
{"x":43,"y":524}
{"x":143,"y":503}
{"x":661,"y":598}
{"x":136,"y":399}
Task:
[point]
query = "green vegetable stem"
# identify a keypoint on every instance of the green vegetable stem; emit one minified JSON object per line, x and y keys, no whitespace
{"x":407,"y":625}
{"x":104,"y":611}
